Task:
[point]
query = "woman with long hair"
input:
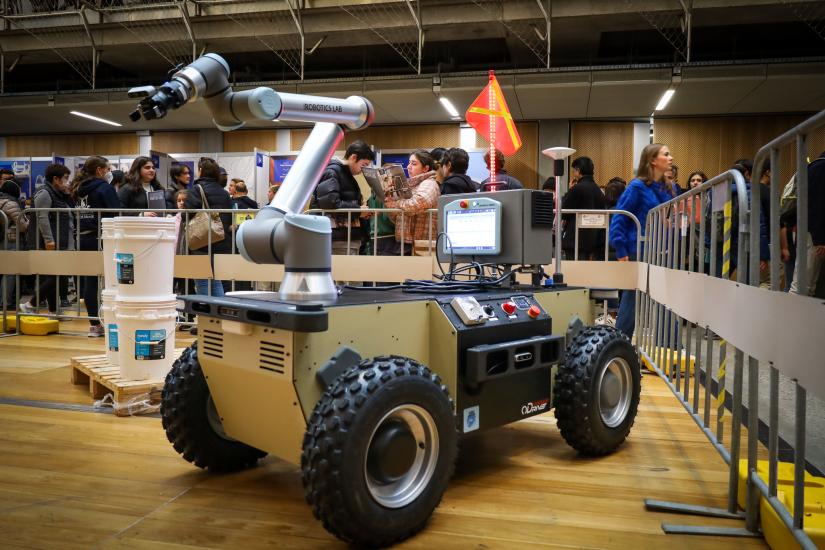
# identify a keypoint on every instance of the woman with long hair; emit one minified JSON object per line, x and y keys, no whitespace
{"x":141,"y":179}
{"x":92,"y":188}
{"x":644,"y":192}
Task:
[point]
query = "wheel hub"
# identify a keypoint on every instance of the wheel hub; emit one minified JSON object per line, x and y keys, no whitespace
{"x":392,"y":452}
{"x":615,"y":390}
{"x":401,"y":456}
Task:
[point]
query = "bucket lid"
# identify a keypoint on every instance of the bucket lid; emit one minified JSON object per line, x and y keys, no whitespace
{"x":134,"y":221}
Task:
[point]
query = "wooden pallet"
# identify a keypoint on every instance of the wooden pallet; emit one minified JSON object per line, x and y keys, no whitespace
{"x":103,"y":378}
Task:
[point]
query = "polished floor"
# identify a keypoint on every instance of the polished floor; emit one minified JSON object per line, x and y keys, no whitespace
{"x":84,"y":479}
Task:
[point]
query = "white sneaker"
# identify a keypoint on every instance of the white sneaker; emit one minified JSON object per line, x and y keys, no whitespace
{"x":26,"y":307}
{"x":95,"y":331}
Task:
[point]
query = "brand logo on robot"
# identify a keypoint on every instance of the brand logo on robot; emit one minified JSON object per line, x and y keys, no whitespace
{"x":323,"y":108}
{"x":535,"y":406}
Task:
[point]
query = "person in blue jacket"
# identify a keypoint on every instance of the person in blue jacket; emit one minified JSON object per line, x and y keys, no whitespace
{"x":90,"y":189}
{"x":644,"y":192}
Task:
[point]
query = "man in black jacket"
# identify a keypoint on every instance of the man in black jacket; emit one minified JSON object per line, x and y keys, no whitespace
{"x":815,"y":245}
{"x":338,"y":189}
{"x":584,"y":195}
{"x":453,"y":173}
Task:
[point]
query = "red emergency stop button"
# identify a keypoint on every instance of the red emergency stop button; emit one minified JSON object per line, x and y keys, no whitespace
{"x":508,"y":307}
{"x":534,"y":312}
{"x":464,"y":204}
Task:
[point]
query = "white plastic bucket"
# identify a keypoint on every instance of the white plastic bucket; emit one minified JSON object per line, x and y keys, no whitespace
{"x":107,"y":235}
{"x":144,"y":256}
{"x":146,"y":337}
{"x":109,"y":322}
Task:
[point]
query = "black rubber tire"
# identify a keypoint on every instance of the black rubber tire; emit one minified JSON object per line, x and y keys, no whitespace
{"x":336,"y":441}
{"x":183,"y":410}
{"x":575,"y":400}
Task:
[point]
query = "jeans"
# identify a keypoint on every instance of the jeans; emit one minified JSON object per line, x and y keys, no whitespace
{"x":626,"y":318}
{"x":202,"y":287}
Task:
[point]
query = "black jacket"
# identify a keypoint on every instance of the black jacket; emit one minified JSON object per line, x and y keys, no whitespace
{"x":129,"y":198}
{"x":218,"y":198}
{"x":245,"y":203}
{"x":585,"y":195}
{"x":816,"y":200}
{"x":96,"y":193}
{"x":170,"y":193}
{"x":337,"y":188}
{"x":458,"y":183}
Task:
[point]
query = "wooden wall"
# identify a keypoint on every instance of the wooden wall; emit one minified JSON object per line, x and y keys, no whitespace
{"x":609,"y":144}
{"x":245,"y":141}
{"x":421,"y":136}
{"x":712,"y":144}
{"x":524,"y":164}
{"x":82,"y":145}
{"x":176,"y":142}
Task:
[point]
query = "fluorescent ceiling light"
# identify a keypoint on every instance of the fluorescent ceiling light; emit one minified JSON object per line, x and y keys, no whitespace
{"x":96,"y":119}
{"x":449,"y":107}
{"x":665,"y":99}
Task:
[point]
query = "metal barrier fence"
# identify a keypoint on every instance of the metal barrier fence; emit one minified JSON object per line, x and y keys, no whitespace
{"x":12,"y":290}
{"x":679,"y":247}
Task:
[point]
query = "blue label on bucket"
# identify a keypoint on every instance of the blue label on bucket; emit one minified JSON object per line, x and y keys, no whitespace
{"x":125,"y":268}
{"x":112,"y":330}
{"x":150,"y":345}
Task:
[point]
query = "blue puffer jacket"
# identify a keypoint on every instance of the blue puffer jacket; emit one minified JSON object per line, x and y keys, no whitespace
{"x":638,"y":198}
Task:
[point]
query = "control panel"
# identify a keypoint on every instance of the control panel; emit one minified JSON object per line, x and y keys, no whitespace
{"x":482,"y":310}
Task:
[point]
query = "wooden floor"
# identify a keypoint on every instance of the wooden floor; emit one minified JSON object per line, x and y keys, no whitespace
{"x":79,"y":479}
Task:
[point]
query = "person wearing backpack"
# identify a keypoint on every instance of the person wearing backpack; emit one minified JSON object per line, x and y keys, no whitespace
{"x":92,"y":188}
{"x":54,"y":231}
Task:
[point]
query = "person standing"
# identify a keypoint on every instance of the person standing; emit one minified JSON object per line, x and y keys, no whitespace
{"x":140,"y":181}
{"x":54,"y":230}
{"x":815,"y":239}
{"x":507,"y":181}
{"x":91,"y":188}
{"x":585,"y":195}
{"x":16,"y":230}
{"x":217,"y":199}
{"x":338,"y":189}
{"x":453,"y":173}
{"x":180,"y":177}
{"x":644,"y":192}
{"x":416,"y":223}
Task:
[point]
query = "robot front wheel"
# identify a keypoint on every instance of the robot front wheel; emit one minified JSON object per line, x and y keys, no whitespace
{"x":596,"y":390}
{"x":379,"y":451}
{"x":192,"y":423}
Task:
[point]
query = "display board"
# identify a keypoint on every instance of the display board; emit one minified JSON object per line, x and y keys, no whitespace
{"x":162,"y":162}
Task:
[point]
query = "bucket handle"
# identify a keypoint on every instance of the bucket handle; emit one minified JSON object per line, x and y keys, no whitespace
{"x":145,"y":251}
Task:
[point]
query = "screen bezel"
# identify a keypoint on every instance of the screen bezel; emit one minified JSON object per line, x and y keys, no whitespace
{"x":475,"y":204}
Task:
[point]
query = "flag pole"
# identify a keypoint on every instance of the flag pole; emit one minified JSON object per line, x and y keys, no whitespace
{"x":491,"y":100}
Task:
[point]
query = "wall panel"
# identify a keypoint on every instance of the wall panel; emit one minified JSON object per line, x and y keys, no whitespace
{"x":609,"y":144}
{"x":245,"y":141}
{"x":82,"y":145}
{"x":176,"y":142}
{"x":712,"y":144}
{"x":424,"y":136}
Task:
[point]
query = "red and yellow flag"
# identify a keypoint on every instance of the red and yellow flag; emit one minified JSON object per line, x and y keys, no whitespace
{"x":491,"y":118}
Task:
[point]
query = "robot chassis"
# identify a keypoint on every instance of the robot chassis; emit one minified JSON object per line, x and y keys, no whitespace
{"x":369,"y":391}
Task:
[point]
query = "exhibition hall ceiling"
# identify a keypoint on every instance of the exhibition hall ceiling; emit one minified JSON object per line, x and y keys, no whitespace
{"x":559,"y":59}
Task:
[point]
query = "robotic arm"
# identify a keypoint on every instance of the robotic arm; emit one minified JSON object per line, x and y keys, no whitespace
{"x":279,"y":233}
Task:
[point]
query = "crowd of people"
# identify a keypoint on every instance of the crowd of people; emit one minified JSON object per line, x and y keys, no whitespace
{"x":363,"y":228}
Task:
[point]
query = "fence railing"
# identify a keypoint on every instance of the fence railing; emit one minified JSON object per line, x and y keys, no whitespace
{"x":727,"y":304}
